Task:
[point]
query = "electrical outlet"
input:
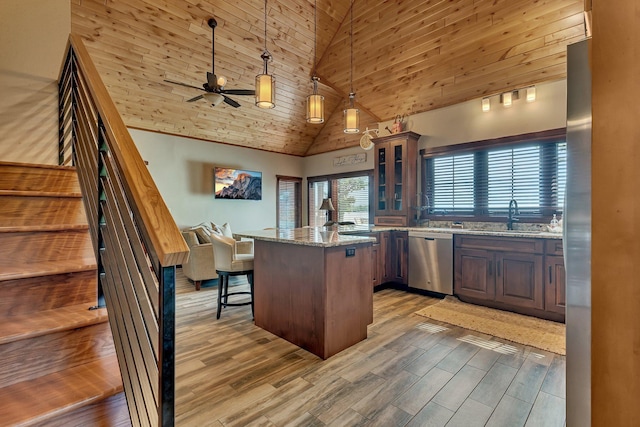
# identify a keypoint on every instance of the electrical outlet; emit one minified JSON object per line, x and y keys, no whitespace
{"x":351,"y":252}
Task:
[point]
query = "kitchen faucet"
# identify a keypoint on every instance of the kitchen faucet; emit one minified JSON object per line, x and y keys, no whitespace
{"x":513,"y":210}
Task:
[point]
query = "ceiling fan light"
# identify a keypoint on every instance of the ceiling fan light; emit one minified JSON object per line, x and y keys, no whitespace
{"x":213,"y":98}
{"x":222,"y":81}
{"x":265,"y":91}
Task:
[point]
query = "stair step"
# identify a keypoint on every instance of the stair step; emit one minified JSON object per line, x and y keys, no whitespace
{"x":112,"y":412}
{"x":32,"y":294}
{"x":45,"y":253}
{"x":44,"y":354}
{"x":44,"y":180}
{"x":33,"y":402}
{"x":24,"y":213}
{"x":60,"y":319}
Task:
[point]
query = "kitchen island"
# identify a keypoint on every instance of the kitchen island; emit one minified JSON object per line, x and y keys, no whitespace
{"x":312,"y":287}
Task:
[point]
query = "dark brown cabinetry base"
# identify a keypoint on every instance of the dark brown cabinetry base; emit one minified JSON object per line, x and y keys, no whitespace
{"x":318,"y":298}
{"x":509,"y":274}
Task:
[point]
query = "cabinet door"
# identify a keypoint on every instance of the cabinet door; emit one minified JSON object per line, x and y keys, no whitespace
{"x":400,"y":256}
{"x":555,"y":290}
{"x":375,"y":264}
{"x":519,"y":279}
{"x":385,"y":257}
{"x":381,"y":179}
{"x":474,"y":274}
{"x":397,"y":178}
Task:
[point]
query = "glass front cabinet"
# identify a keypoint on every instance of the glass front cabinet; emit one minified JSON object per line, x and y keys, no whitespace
{"x":395,"y":177}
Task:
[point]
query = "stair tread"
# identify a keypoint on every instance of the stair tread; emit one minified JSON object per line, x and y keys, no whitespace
{"x":30,"y":254}
{"x":39,"y":323}
{"x":22,"y":213}
{"x":24,"y":177}
{"x":32,"y":294}
{"x":36,"y":400}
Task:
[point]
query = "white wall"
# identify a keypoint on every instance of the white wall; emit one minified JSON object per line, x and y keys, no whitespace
{"x":33,"y":36}
{"x":466,"y":122}
{"x":183,"y":171}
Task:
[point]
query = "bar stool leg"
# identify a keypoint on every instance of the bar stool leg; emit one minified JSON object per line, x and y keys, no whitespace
{"x":220,"y":286}
{"x":250,"y":279}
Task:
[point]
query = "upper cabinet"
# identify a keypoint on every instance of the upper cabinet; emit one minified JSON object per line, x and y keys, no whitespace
{"x":395,"y":177}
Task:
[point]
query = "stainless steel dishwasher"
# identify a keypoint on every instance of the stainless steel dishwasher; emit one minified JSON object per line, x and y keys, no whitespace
{"x":431,"y":261}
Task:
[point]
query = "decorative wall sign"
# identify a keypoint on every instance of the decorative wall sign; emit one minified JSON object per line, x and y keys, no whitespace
{"x":351,"y":159}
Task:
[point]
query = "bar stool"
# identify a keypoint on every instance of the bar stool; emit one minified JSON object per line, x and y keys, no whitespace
{"x":232,"y":258}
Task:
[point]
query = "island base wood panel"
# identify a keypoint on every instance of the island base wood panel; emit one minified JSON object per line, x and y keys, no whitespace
{"x":314,"y":297}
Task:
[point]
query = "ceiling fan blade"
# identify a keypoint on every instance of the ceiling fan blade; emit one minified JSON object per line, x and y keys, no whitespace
{"x":239,"y":91}
{"x":231,"y":102}
{"x":195,"y":98}
{"x":183,"y":84}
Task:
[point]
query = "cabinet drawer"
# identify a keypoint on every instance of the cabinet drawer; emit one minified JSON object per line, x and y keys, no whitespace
{"x":553,"y":247}
{"x":510,"y":244}
{"x":391,"y":220}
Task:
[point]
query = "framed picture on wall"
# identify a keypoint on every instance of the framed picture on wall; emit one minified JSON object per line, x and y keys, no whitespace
{"x":237,"y":184}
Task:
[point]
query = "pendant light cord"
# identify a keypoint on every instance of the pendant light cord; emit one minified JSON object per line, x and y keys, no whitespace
{"x":315,"y":35}
{"x":351,"y":36}
{"x":265,"y":25}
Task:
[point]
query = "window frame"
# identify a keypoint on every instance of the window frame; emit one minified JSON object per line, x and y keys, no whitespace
{"x":480,"y":212}
{"x":298,"y":198}
{"x":332,"y":186}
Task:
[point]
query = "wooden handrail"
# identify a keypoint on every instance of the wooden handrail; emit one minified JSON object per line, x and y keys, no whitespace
{"x":165,"y":236}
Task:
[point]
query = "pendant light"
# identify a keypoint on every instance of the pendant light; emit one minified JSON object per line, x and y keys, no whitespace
{"x":265,"y":83}
{"x":315,"y":102}
{"x":351,"y":114}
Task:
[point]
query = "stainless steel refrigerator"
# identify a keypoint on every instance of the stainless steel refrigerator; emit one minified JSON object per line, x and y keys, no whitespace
{"x":577,"y":235}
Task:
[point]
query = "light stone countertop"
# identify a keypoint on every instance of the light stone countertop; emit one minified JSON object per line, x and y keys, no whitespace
{"x":307,"y":236}
{"x":498,"y":233}
{"x":359,"y":229}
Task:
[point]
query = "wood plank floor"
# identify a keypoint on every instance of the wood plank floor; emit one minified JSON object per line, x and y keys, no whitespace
{"x":409,"y":371}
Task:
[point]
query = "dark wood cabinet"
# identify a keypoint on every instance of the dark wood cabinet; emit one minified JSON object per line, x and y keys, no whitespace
{"x":474,"y":273}
{"x":385,"y":257}
{"x":395,"y":178}
{"x":392,"y":257}
{"x":509,"y":273}
{"x":519,"y":279}
{"x":555,"y":287}
{"x":376,"y":260}
{"x":400,"y":257}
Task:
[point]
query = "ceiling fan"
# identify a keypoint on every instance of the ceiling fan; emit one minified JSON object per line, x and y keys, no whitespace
{"x":215,"y":93}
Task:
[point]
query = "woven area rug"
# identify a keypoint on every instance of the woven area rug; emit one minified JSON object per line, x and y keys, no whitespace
{"x":531,"y":331}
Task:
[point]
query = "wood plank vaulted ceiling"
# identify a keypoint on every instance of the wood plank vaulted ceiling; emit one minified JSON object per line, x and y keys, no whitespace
{"x":409,"y":56}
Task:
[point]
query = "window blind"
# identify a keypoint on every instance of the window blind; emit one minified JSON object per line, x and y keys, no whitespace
{"x":289,"y":202}
{"x":452,"y":184}
{"x":483,"y":181}
{"x":353,"y":199}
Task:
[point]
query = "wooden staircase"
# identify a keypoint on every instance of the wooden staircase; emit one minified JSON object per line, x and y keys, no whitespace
{"x":58,"y":363}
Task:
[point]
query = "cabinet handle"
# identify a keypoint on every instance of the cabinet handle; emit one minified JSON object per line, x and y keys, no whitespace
{"x":550,"y":278}
{"x":498,"y":269}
